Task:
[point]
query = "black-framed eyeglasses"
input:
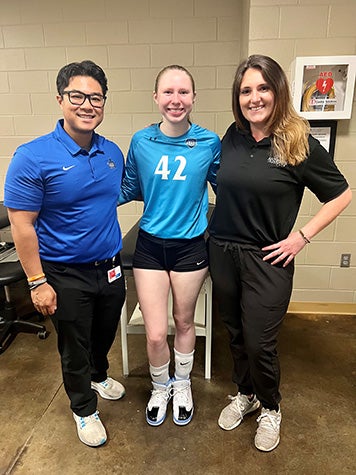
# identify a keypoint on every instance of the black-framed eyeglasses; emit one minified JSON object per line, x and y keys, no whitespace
{"x":77,"y":98}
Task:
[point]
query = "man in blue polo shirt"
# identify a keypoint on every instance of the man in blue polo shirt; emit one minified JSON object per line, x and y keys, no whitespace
{"x":61,"y":192}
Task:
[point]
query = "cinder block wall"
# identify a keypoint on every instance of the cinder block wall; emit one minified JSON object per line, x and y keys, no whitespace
{"x":316,"y":28}
{"x":133,"y":40}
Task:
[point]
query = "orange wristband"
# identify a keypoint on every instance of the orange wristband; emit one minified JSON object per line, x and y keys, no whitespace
{"x":36,"y":277}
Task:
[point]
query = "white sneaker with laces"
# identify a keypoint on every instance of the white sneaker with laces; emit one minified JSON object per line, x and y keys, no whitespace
{"x":183,"y":407}
{"x":90,"y":429}
{"x":267,"y":434}
{"x":109,"y":389}
{"x":156,"y":409}
{"x":231,"y":416}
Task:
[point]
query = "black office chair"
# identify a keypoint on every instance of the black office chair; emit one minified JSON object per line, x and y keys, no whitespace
{"x":10,"y":324}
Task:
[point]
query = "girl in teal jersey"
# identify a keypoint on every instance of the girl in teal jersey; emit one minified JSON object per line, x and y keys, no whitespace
{"x":168,"y":166}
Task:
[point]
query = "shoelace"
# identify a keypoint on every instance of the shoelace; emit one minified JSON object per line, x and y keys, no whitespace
{"x":166,"y":393}
{"x":266,"y":420}
{"x":181,"y":392}
{"x":238,"y":404}
{"x":89,"y":419}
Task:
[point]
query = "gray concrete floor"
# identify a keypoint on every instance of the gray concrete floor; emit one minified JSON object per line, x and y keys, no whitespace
{"x":318,"y":435}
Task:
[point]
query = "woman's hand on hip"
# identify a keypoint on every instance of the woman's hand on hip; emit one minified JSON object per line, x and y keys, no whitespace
{"x":285,"y":250}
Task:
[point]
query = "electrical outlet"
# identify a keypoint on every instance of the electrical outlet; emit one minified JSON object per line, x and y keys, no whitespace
{"x":345,"y":260}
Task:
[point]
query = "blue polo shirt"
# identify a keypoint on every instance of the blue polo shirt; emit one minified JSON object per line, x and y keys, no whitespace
{"x":74,"y":191}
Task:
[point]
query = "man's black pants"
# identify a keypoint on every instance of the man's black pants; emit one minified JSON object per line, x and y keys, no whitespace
{"x":86,"y":321}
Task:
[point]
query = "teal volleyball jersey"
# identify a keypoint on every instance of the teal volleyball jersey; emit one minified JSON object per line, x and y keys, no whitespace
{"x":171,"y":174}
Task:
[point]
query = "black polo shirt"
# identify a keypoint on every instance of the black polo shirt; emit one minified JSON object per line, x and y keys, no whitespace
{"x":258,"y":198}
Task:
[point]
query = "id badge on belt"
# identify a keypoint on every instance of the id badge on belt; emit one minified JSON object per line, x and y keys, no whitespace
{"x":114,"y":274}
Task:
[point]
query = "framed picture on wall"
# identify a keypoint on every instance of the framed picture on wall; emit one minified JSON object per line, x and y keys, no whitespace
{"x":325,"y":132}
{"x":323,"y":86}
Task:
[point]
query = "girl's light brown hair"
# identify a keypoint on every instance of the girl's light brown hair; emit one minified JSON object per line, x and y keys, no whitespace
{"x":173,"y":67}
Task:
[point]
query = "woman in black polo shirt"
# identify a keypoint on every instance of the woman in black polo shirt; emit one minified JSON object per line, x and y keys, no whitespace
{"x":268,"y":158}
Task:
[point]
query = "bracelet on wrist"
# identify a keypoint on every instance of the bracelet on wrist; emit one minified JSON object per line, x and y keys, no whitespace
{"x":306,"y":240}
{"x":33,"y":285}
{"x":36,"y":277}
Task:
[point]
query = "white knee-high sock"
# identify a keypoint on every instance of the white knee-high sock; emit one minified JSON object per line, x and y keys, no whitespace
{"x":183,"y":364}
{"x":160,"y":374}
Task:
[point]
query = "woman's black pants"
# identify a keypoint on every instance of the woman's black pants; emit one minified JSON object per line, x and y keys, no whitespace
{"x":252,"y":298}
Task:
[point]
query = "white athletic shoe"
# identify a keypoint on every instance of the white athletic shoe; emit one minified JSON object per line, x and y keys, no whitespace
{"x":156,"y":409}
{"x":90,"y":429}
{"x":231,"y":416}
{"x":267,"y":434}
{"x":109,"y":389}
{"x":183,"y":407}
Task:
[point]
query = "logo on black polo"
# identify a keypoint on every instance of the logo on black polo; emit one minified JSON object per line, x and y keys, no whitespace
{"x":276,"y":161}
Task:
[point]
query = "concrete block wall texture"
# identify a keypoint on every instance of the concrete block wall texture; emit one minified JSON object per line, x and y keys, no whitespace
{"x":316,"y":28}
{"x":133,"y":40}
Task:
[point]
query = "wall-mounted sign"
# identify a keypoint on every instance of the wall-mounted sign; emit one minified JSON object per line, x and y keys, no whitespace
{"x":323,"y":86}
{"x":325,"y":132}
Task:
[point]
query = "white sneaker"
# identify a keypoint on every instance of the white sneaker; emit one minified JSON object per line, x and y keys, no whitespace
{"x":90,"y":429}
{"x":156,"y":409}
{"x":267,"y":435}
{"x":183,"y":407}
{"x":231,"y":416}
{"x":109,"y":389}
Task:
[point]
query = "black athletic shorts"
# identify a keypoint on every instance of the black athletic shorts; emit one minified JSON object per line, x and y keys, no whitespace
{"x":179,"y":255}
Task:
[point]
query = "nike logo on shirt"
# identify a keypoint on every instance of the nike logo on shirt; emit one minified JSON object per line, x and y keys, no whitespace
{"x":68,"y":168}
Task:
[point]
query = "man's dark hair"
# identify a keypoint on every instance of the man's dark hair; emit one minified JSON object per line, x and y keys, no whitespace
{"x":84,"y":68}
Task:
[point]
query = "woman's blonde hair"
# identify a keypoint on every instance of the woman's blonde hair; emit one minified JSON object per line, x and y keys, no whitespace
{"x":289,"y":131}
